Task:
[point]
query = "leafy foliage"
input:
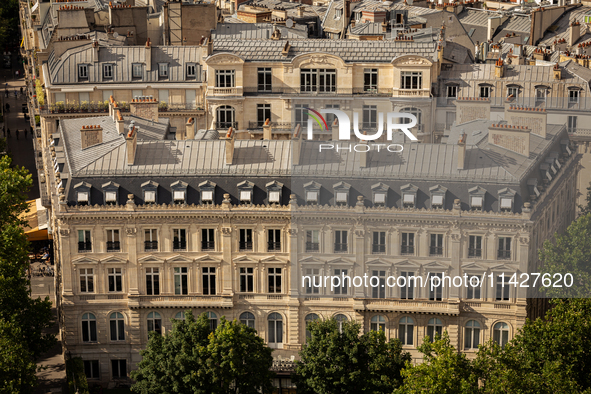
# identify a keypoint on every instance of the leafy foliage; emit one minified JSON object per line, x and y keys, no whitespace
{"x":9,"y":31}
{"x":570,"y":253}
{"x":191,"y":359}
{"x":77,"y":382}
{"x":443,"y":371}
{"x":345,"y":362}
{"x":17,"y":370}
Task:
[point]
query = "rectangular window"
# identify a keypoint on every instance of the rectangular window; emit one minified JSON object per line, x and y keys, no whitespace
{"x":370,"y":79}
{"x":264,"y":79}
{"x":342,"y":289}
{"x":119,"y":368}
{"x":331,"y":117}
{"x":107,"y":71}
{"x":370,"y":116}
{"x":312,"y":273}
{"x":379,"y":291}
{"x":207,"y":239}
{"x":452,"y":91}
{"x":274,"y":278}
{"x":84,"y":241}
{"x":435,"y":292}
{"x":408,"y":243}
{"x":541,"y":95}
{"x":191,"y":70}
{"x":407,"y":291}
{"x":191,"y":99}
{"x":163,"y":95}
{"x":485,"y":91}
{"x":115,"y":279}
{"x":379,"y":242}
{"x":573,"y":96}
{"x":504,"y":251}
{"x":301,"y":114}
{"x":83,"y":71}
{"x":224,"y":78}
{"x":503,"y":288}
{"x":179,"y":239}
{"x":572,"y":124}
{"x":475,"y":246}
{"x":181,"y":277}
{"x":208,"y":280}
{"x":436,"y":247}
{"x":312,"y":240}
{"x":91,"y":369}
{"x":513,"y":91}
{"x":245,"y":242}
{"x":321,"y":80}
{"x":274,"y":240}
{"x":163,"y":70}
{"x":137,"y":71}
{"x":137,"y":93}
{"x":340,"y":241}
{"x":246,"y":280}
{"x":86,"y":280}
{"x":263,"y":113}
{"x":150,"y":240}
{"x":152,"y":281}
{"x":411,"y":80}
{"x":473,"y":292}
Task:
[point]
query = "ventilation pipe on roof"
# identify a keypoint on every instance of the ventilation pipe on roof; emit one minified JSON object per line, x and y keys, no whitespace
{"x":462,"y":151}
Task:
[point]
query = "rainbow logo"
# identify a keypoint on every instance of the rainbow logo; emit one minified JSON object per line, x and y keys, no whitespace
{"x":318,"y":118}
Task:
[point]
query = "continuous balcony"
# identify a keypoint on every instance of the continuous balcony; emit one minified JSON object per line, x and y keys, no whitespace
{"x":220,"y":92}
{"x":409,"y":306}
{"x":319,"y":91}
{"x":101,"y":108}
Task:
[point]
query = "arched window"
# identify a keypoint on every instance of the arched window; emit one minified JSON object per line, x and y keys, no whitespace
{"x":310,"y":318}
{"x":226,"y":117}
{"x":213,"y":320}
{"x":501,"y":333}
{"x":472,"y":335}
{"x":405,"y":330}
{"x":378,"y":323}
{"x":275,"y":328}
{"x":88,"y":327}
{"x":247,"y":319}
{"x":154,"y":322}
{"x":434,"y":327}
{"x":180,"y":316}
{"x":117,"y":324}
{"x":340,"y":320}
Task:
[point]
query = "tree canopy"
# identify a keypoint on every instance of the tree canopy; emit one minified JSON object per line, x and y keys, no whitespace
{"x":193,"y":359}
{"x":339,"y":361}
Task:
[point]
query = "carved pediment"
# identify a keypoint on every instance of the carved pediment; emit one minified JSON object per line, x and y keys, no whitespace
{"x":317,"y":59}
{"x":273,"y":259}
{"x":379,"y":263}
{"x":179,"y":259}
{"x":311,"y":260}
{"x":85,"y":260}
{"x":341,"y":261}
{"x":224,"y":58}
{"x":407,"y":264}
{"x":411,"y":60}
{"x":150,"y":259}
{"x":113,"y":260}
{"x":474,"y":266}
{"x":245,"y":259}
{"x":502,"y":268}
{"x":207,"y":259}
{"x":436,"y":266}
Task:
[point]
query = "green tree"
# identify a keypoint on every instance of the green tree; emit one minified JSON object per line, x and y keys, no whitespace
{"x":17,"y":370}
{"x":341,"y":361}
{"x":191,"y":359}
{"x":569,"y":254}
{"x":9,"y":30}
{"x":547,"y":356}
{"x":25,"y":318}
{"x":443,"y":371}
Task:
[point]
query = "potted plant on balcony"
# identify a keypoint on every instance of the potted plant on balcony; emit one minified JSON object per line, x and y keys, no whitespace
{"x":162,"y":106}
{"x":60,"y":106}
{"x":124,"y":106}
{"x":105,"y":105}
{"x":84,"y":106}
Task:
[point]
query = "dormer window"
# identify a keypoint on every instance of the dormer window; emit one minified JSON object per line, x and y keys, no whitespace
{"x":338,"y":13}
{"x":110,"y":190}
{"x":380,"y":194}
{"x":107,"y":71}
{"x":150,"y":190}
{"x":245,"y":189}
{"x":513,"y":90}
{"x":179,"y":192}
{"x":312,"y":193}
{"x":137,"y":70}
{"x":341,"y":192}
{"x":83,"y":193}
{"x":83,"y":71}
{"x":409,"y":195}
{"x":506,"y":204}
{"x":545,"y":170}
{"x":477,"y":198}
{"x":162,"y":70}
{"x":207,"y":189}
{"x":573,"y":95}
{"x":274,"y":191}
{"x":506,"y":199}
{"x":437,"y":196}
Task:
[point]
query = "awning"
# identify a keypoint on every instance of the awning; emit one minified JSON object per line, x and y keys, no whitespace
{"x":37,"y":219}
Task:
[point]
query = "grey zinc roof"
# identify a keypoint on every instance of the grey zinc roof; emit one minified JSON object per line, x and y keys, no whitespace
{"x":78,"y":159}
{"x":254,"y":31}
{"x":348,"y":50}
{"x":573,"y":15}
{"x":64,"y":70}
{"x":367,"y":29}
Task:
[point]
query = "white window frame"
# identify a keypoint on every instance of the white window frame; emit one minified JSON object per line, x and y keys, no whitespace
{"x":116,"y":275}
{"x":162,"y":70}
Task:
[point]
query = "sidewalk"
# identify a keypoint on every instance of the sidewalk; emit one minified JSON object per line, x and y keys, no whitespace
{"x":21,"y":149}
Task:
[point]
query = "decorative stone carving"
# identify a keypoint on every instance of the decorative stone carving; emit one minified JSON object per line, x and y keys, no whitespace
{"x":131,"y":231}
{"x":359,"y":233}
{"x":64,"y":232}
{"x":226,"y":230}
{"x":455,"y":237}
{"x":524,"y":241}
{"x":292,"y":231}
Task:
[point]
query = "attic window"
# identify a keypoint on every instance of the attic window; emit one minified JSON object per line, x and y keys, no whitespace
{"x":379,"y":199}
{"x":274,"y":197}
{"x":245,"y":196}
{"x":83,"y":71}
{"x":207,"y":189}
{"x":312,"y":197}
{"x":341,"y":193}
{"x":409,"y":200}
{"x":338,"y":13}
{"x":83,"y":198}
{"x":506,"y":204}
{"x":342,"y":197}
{"x":179,"y":192}
{"x":207,"y":196}
{"x":150,"y":196}
{"x":476,"y":202}
{"x":179,"y":196}
{"x":111,"y":197}
{"x":437,"y":201}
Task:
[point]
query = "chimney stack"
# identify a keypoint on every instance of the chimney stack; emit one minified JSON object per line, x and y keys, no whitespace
{"x":462,"y":152}
{"x":513,"y":138}
{"x":557,"y":72}
{"x":120,"y":123}
{"x":144,"y":107}
{"x":499,"y":68}
{"x":296,"y":145}
{"x":574,"y":33}
{"x":267,"y":130}
{"x":230,"y":146}
{"x":148,"y":55}
{"x":190,"y":129}
{"x":95,"y":51}
{"x":90,"y":136}
{"x":131,"y":144}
